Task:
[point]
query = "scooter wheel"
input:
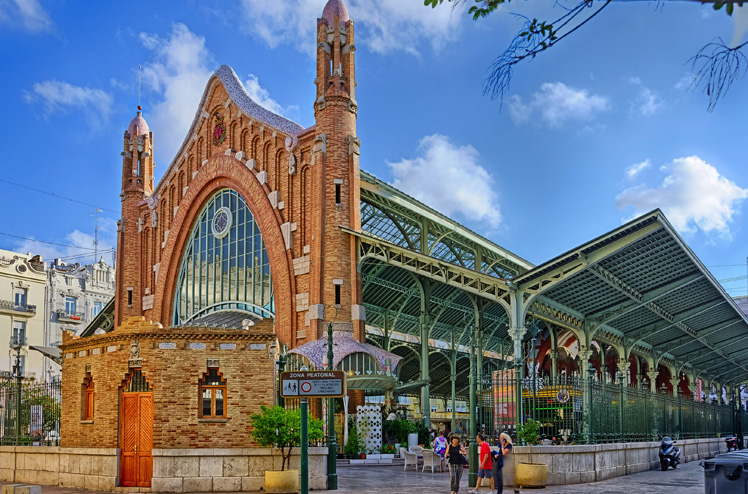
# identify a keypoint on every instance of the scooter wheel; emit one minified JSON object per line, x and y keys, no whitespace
{"x":675,"y":465}
{"x":663,"y":465}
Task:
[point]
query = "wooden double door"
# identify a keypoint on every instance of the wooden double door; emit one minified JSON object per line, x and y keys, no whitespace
{"x":136,"y":439}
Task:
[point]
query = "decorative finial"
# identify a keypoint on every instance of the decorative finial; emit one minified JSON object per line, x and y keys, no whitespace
{"x":140,"y":77}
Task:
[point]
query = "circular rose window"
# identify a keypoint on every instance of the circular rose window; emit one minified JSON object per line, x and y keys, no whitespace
{"x":221,"y":222}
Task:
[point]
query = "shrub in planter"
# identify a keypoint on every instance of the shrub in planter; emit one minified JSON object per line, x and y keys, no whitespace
{"x":354,"y":446}
{"x":387,"y":449}
{"x":398,"y":430}
{"x":530,"y":474}
{"x":276,"y":427}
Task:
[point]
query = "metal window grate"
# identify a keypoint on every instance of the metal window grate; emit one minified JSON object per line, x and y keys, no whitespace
{"x":137,"y":383}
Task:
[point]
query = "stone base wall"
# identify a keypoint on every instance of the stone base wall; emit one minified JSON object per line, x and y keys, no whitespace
{"x":88,"y":468}
{"x":590,"y":463}
{"x":174,"y":470}
{"x":228,"y":470}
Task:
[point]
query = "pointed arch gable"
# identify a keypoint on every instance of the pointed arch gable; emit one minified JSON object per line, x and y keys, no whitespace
{"x":226,"y":77}
{"x":219,"y":173}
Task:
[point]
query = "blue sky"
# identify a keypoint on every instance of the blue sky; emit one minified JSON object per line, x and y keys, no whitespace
{"x":597,"y":130}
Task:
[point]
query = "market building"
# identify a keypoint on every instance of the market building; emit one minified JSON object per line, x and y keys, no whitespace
{"x":262,"y":236}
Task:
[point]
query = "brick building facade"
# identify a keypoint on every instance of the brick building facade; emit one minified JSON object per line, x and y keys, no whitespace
{"x":237,"y":250}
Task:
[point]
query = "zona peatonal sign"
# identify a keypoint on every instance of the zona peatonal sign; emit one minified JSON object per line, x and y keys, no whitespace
{"x":313,"y":384}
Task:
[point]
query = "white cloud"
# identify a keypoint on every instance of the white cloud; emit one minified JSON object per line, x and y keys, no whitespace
{"x":647,"y":102}
{"x":62,"y":97}
{"x":389,"y":25}
{"x":693,"y":196}
{"x":182,"y":67}
{"x":84,"y":254}
{"x":685,"y":83}
{"x":261,"y":96}
{"x":635,"y":169}
{"x":27,"y":14}
{"x":740,"y":16}
{"x":555,"y":104}
{"x":449,"y":179}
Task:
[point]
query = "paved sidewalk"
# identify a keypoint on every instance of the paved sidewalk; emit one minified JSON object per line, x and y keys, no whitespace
{"x":687,"y":479}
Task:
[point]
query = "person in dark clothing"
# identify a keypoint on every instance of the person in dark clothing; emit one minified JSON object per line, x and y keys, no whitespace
{"x":497,"y":457}
{"x":455,"y":456}
{"x":505,"y":447}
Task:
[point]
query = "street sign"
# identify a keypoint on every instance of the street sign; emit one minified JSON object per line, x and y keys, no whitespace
{"x":313,"y":384}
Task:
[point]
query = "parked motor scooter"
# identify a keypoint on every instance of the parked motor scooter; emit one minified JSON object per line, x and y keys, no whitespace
{"x":669,"y":454}
{"x":732,"y":443}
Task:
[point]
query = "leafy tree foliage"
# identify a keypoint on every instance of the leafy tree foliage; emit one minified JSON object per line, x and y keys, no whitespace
{"x":281,"y":428}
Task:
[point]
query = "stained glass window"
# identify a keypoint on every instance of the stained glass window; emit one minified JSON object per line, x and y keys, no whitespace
{"x":224,"y":270}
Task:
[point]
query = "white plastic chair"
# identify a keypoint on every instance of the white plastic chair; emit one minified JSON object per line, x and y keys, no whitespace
{"x":409,"y":458}
{"x":431,"y":460}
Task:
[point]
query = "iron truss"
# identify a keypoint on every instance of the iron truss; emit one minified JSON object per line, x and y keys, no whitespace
{"x":394,"y":217}
{"x":638,"y":287}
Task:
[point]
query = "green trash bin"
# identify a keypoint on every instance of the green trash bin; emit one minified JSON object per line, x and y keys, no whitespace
{"x":726,"y":473}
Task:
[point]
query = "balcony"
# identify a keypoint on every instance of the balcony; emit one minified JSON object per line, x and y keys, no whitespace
{"x":72,"y":317}
{"x":23,"y":310}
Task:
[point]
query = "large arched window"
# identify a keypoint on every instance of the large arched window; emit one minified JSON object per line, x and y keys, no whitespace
{"x":225,"y":264}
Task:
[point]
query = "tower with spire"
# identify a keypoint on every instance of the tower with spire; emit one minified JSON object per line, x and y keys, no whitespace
{"x":335,"y":280}
{"x":137,"y":185}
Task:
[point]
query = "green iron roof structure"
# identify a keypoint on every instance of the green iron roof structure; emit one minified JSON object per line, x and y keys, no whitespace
{"x":638,"y":287}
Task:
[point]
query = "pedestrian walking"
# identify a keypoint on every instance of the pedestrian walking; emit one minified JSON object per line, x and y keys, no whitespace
{"x":440,"y":448}
{"x":455,"y":456}
{"x":484,"y":464}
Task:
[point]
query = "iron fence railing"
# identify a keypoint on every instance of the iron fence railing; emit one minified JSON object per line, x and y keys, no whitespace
{"x":11,"y":305}
{"x":590,"y":411}
{"x":29,"y":413}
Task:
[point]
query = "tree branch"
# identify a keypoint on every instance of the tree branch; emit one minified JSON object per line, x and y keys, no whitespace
{"x":719,"y":67}
{"x":533,"y":39}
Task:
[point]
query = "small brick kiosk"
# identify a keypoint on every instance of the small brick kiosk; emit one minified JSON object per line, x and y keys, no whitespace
{"x":146,"y":390}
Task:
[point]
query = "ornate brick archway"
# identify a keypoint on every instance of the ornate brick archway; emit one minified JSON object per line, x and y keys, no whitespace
{"x":226,"y":172}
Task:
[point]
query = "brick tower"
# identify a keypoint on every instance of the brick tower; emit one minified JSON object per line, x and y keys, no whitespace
{"x":137,"y":185}
{"x":335,"y":294}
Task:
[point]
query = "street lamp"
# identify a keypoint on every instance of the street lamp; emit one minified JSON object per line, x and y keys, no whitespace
{"x":16,"y":344}
{"x":332,"y":453}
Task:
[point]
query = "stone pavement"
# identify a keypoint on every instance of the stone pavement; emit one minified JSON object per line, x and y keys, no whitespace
{"x":687,"y":479}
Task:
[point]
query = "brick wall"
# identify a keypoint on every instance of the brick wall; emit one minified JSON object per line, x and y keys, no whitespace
{"x":295,"y":206}
{"x":174,"y":375}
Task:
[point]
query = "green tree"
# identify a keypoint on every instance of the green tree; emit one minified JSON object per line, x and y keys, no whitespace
{"x":716,"y":66}
{"x":50,"y":410}
{"x":281,"y":428}
{"x":529,"y":433}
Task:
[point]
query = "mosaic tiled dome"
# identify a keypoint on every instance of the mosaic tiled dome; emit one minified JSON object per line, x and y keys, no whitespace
{"x":138,"y":126}
{"x":333,"y":8}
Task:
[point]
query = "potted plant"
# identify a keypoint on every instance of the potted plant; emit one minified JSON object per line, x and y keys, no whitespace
{"x":353,"y":445}
{"x":530,"y":474}
{"x":281,"y":428}
{"x":387,"y":451}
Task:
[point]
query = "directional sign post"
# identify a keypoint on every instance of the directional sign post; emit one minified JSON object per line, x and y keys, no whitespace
{"x":304,"y":447}
{"x":305,"y":385}
{"x":313,"y":384}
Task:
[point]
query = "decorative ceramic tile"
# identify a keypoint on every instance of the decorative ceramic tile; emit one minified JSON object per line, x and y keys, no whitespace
{"x":343,"y":345}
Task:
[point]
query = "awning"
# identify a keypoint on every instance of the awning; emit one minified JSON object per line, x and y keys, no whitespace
{"x":51,"y":352}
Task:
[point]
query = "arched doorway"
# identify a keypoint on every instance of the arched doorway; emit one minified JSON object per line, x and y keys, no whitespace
{"x":136,"y":435}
